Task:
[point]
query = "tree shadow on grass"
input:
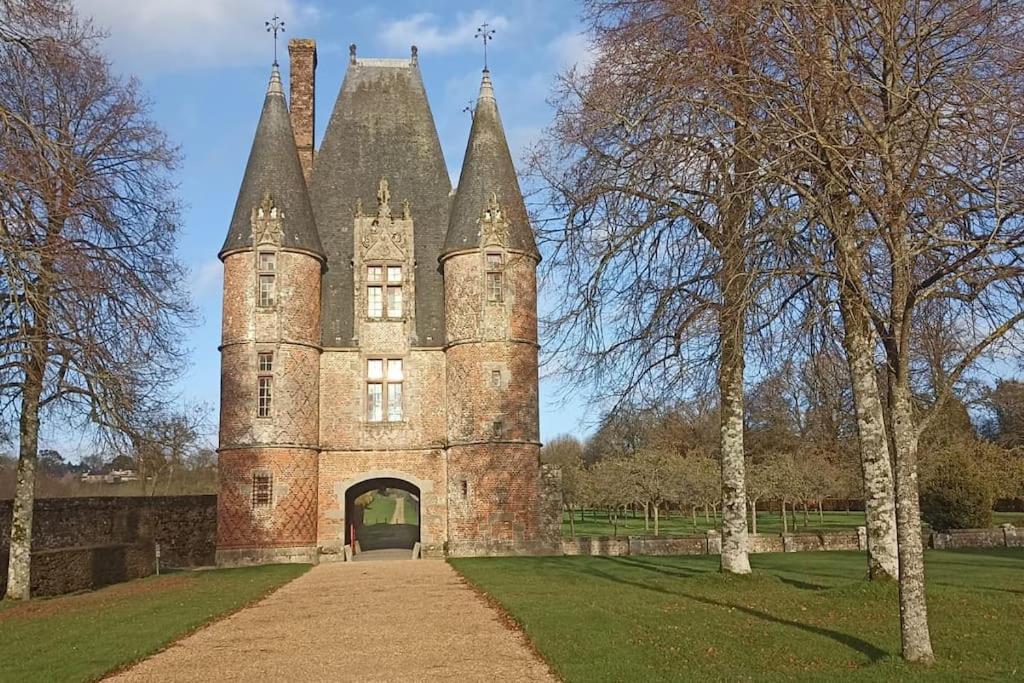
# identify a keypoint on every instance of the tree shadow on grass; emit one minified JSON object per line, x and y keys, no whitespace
{"x":872,"y":652}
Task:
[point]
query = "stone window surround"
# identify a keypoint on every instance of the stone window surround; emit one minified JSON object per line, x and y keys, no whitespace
{"x":384,"y":382}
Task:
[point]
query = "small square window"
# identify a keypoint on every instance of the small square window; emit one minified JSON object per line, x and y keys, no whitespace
{"x":265,"y":362}
{"x":498,"y":428}
{"x":374,"y":273}
{"x":494,"y":260}
{"x":262,"y":489}
{"x":394,"y":274}
{"x":495,"y":378}
{"x":268,"y":261}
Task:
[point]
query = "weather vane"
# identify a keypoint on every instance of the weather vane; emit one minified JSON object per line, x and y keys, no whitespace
{"x":469,"y":108}
{"x":275,"y":26}
{"x":486,"y":33}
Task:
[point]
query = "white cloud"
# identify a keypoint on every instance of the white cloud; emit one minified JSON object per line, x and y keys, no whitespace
{"x":426,"y":31}
{"x":206,"y":279}
{"x":573,"y":48}
{"x":162,"y":35}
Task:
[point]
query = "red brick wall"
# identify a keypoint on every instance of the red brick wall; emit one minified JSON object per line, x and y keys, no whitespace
{"x":290,"y":521}
{"x":302,"y":98}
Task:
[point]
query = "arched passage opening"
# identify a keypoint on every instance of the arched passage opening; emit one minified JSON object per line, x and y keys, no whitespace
{"x":382,"y":513}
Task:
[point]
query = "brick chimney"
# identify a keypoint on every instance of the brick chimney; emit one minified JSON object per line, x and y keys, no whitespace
{"x":302,"y":102}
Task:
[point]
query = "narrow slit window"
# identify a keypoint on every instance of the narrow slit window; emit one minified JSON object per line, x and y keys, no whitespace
{"x":266,"y":264}
{"x":265,"y":398}
{"x":262,"y":490}
{"x":498,"y":429}
{"x":268,"y":291}
{"x":495,"y":278}
{"x":496,"y":378}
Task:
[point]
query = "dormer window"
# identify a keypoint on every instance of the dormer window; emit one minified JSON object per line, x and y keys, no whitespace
{"x":384,"y":291}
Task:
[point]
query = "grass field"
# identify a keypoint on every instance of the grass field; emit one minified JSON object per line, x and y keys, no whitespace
{"x":807,"y":616}
{"x":81,"y":637}
{"x":596,"y":524}
{"x":383,"y":507}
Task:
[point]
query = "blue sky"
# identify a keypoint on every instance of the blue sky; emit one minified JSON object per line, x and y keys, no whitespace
{"x":205,"y":63}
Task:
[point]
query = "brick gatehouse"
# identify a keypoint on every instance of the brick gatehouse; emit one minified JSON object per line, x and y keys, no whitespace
{"x":379,"y":328}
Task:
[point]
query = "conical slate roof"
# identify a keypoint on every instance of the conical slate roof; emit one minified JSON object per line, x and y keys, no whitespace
{"x":381,"y":127}
{"x":486,"y":169}
{"x":274,"y":168}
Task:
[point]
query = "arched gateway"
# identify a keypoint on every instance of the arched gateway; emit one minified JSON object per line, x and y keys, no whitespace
{"x":376,"y":323}
{"x":382,"y":514}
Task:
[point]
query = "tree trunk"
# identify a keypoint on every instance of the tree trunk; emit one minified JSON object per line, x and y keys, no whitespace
{"x":647,"y":518}
{"x":693,"y":511}
{"x":655,"y":520}
{"x":807,"y":519}
{"x":572,"y":523}
{"x":879,"y":503}
{"x":19,"y":564}
{"x":785,"y":520}
{"x":821,"y":515}
{"x":914,"y":632}
{"x":753,"y":516}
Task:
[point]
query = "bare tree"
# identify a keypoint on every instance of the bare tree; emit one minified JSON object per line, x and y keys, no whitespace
{"x":92,"y":295}
{"x":663,"y":225}
{"x":899,"y":124}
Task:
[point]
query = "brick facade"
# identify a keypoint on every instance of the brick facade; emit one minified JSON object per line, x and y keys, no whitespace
{"x":463,"y":437}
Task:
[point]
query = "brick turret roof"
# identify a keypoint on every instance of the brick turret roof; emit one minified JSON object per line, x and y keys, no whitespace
{"x":274,"y":168}
{"x":381,"y":127}
{"x":487,"y":169}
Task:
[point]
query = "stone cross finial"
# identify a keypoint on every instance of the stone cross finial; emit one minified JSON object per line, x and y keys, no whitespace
{"x":415,"y":54}
{"x":352,"y":53}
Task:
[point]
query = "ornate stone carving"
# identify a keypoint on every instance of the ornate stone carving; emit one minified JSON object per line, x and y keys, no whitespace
{"x":493,"y":228}
{"x":267,"y":222}
{"x":383,"y":199}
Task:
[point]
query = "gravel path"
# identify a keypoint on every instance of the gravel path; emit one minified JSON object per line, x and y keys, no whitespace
{"x":367,"y":621}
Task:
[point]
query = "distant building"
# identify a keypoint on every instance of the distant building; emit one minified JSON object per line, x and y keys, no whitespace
{"x":379,"y":328}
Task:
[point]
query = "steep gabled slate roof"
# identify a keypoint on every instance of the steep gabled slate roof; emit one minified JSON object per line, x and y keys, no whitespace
{"x":274,"y":168}
{"x":381,"y":127}
{"x":487,"y":168}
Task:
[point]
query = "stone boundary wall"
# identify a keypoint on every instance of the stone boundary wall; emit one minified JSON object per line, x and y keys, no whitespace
{"x":82,"y":543}
{"x":1006,"y":536}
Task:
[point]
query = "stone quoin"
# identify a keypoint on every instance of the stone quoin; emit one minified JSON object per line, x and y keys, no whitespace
{"x":379,"y":329}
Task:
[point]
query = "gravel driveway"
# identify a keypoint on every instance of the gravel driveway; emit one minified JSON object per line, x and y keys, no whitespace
{"x":367,"y":621}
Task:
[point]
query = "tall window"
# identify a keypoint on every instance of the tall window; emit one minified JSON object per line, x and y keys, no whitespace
{"x":384,"y":291}
{"x":262,"y":489}
{"x":495,"y":278}
{"x":384,"y":382}
{"x":264,"y":384}
{"x":267,"y":279}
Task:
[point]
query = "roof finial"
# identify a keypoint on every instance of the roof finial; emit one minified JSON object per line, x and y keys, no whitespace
{"x":414,"y":56}
{"x":275,"y":26}
{"x":352,"y":53}
{"x":469,"y":108}
{"x":485,"y":33}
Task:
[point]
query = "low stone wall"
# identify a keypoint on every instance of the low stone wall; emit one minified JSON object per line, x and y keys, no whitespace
{"x":80,"y":543}
{"x":711,"y":544}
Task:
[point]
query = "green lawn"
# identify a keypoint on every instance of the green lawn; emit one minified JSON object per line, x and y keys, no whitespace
{"x":383,"y":507}
{"x":806,"y":616}
{"x":81,"y":637}
{"x":596,"y":523}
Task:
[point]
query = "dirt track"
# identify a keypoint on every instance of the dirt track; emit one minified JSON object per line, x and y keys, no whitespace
{"x":367,"y":621}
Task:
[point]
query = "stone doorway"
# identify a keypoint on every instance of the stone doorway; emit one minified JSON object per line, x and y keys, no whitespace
{"x":382,"y":514}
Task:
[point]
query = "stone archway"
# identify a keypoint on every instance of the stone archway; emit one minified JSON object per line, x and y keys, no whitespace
{"x":383,"y":513}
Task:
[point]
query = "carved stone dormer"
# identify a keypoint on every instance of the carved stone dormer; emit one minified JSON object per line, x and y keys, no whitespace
{"x":493,"y":227}
{"x":384,"y":266}
{"x":267,"y":222}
